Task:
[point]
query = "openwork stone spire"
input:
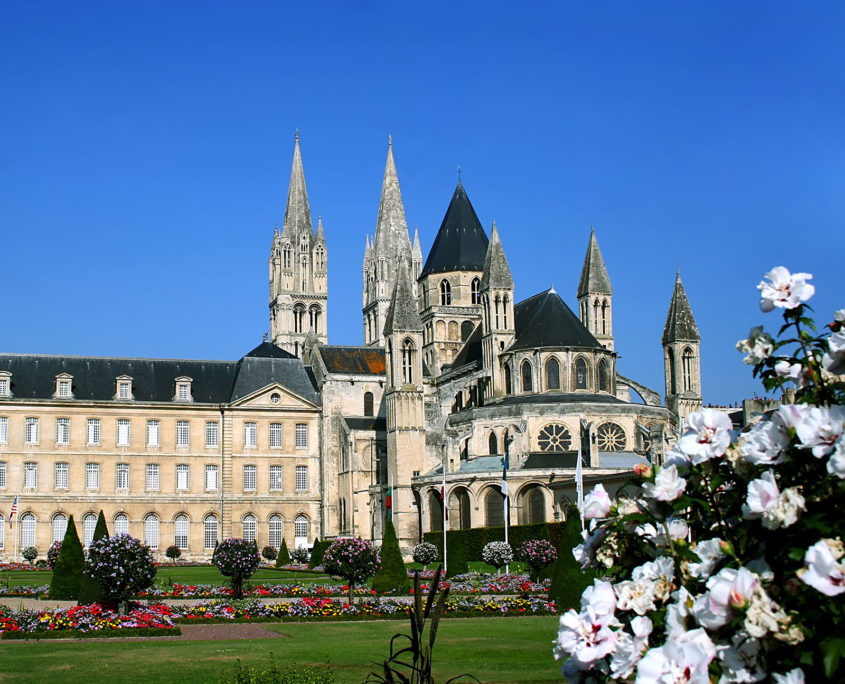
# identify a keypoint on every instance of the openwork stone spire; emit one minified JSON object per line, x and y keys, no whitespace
{"x":680,"y":323}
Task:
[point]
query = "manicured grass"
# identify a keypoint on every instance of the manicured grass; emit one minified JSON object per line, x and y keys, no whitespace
{"x":492,"y":649}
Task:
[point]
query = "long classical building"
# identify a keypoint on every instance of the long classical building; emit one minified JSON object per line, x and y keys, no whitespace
{"x":301,"y":439}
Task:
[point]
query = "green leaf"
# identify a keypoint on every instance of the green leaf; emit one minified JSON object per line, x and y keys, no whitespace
{"x":833,"y":650}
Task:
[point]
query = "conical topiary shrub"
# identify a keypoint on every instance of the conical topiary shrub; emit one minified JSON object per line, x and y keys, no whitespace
{"x":283,"y":558}
{"x":392,"y":576}
{"x":89,"y":590}
{"x":69,"y":566}
{"x":456,"y":559}
{"x":317,"y":551}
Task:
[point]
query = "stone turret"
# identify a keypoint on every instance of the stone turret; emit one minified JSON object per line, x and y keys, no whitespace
{"x":497,"y":307}
{"x":682,"y":356}
{"x":595,"y":295}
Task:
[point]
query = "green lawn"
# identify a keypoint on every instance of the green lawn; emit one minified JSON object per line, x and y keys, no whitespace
{"x":492,"y":649}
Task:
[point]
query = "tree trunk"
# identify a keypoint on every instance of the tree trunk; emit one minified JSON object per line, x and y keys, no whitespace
{"x":238,"y":587}
{"x":351,"y":593}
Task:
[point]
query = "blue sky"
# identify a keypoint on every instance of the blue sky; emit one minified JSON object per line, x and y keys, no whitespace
{"x":146,"y":150}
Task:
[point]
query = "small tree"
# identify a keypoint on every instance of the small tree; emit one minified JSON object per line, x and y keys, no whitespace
{"x":283,"y":558}
{"x":237,"y":559}
{"x":392,"y":576}
{"x":299,"y":555}
{"x":538,"y":553}
{"x":30,"y":553}
{"x":69,"y":565}
{"x":89,"y":590}
{"x":352,"y":558}
{"x":497,"y":554}
{"x":122,"y":566}
{"x":425,"y":553}
{"x":53,"y":554}
{"x":173,"y":552}
{"x":269,"y":553}
{"x":457,"y":556}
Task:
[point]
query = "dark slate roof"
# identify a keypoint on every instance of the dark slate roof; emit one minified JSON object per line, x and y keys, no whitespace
{"x":366,"y":423}
{"x":153,"y":380}
{"x":680,"y":323}
{"x":568,"y":398}
{"x":461,"y":243}
{"x":546,"y":459}
{"x":353,"y":360}
{"x":471,"y":351}
{"x":544,"y":320}
{"x":268,"y":350}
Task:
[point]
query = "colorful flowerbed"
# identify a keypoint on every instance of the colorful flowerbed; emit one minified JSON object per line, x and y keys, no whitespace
{"x":12,"y":590}
{"x":18,"y":567}
{"x":80,"y":621}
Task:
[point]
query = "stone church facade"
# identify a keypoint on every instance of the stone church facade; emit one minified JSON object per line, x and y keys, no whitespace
{"x":301,"y":439}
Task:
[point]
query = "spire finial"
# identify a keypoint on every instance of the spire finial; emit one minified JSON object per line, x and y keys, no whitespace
{"x":297,"y":135}
{"x":459,"y":173}
{"x":264,"y":338}
{"x":389,"y":140}
{"x":552,"y":289}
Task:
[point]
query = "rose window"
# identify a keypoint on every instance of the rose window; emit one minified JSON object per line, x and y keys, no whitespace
{"x":554,"y":438}
{"x":610,"y":437}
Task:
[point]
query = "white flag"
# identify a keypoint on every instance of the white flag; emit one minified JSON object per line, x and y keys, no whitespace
{"x":579,"y":487}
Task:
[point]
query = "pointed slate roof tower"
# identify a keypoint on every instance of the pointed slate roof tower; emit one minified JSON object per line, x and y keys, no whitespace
{"x":595,"y":295}
{"x":594,"y":278}
{"x":680,"y":323}
{"x":298,"y":211}
{"x":402,"y":314}
{"x":460,"y":244}
{"x":497,"y":273}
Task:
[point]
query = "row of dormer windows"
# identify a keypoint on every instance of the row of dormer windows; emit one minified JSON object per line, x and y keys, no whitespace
{"x":123,"y":387}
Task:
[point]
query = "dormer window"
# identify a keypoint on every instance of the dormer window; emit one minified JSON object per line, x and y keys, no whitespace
{"x":5,"y":384}
{"x":64,"y":386}
{"x":183,"y":389}
{"x":124,"y":388}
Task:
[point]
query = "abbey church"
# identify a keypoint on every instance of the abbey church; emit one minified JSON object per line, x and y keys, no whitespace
{"x":454,"y":383}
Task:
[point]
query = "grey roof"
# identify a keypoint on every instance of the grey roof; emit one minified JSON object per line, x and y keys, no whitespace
{"x":471,"y":351}
{"x":402,"y":314}
{"x":680,"y":323}
{"x":460,"y":244}
{"x":153,"y":380}
{"x":624,"y":460}
{"x":550,"y":459}
{"x":366,"y":423}
{"x":544,"y":320}
{"x":497,"y":273}
{"x":562,"y":398}
{"x":270,"y":351}
{"x":594,"y":278}
{"x":482,"y":464}
{"x":297,"y":212}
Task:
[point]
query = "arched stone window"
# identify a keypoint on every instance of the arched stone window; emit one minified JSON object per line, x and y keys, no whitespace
{"x":672,"y":381}
{"x":435,"y":512}
{"x":180,"y":531}
{"x":368,"y":403}
{"x":298,"y":318}
{"x":276,"y":531}
{"x":527,"y":385}
{"x":604,"y":317}
{"x":408,"y":362}
{"x":300,"y":531}
{"x":603,"y":376}
{"x":463,"y":512}
{"x":249,"y":527}
{"x":453,"y":330}
{"x":532,"y":506}
{"x":286,"y":256}
{"x":445,"y":292}
{"x":494,"y":507}
{"x":27,"y":523}
{"x":475,"y":289}
{"x":59,"y":527}
{"x":505,"y":305}
{"x":686,"y":366}
{"x":508,"y":380}
{"x":151,"y":530}
{"x":466,"y":330}
{"x":580,"y":374}
{"x":303,"y":273}
{"x":596,"y":317}
{"x":121,"y":524}
{"x":553,"y":375}
{"x":211,"y":537}
{"x":320,"y":259}
{"x":314,"y":318}
{"x":492,"y":443}
{"x":89,"y":524}
{"x":497,"y":303}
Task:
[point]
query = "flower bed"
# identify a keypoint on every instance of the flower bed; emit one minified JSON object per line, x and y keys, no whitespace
{"x":24,"y":590}
{"x":95,"y":620}
{"x":19,"y":567}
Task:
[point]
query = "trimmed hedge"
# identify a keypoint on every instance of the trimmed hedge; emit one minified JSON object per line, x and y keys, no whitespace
{"x":69,"y":566}
{"x":98,"y":634}
{"x":475,"y":539}
{"x":90,"y":590}
{"x":283,"y":558}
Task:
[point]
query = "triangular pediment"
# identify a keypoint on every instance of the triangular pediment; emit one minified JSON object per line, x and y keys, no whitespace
{"x":275,"y":396}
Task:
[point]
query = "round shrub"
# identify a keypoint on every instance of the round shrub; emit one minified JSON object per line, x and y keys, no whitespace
{"x":121,"y":565}
{"x":299,"y":555}
{"x":538,"y":553}
{"x":30,"y":553}
{"x":173,"y":552}
{"x":352,"y":558}
{"x":497,"y":554}
{"x":425,"y":553}
{"x":269,"y":553}
{"x":237,"y":559}
{"x":53,"y":554}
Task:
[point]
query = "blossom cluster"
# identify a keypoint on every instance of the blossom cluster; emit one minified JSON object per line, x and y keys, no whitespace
{"x":729,"y":562}
{"x":236,"y":557}
{"x":121,"y":565}
{"x":497,"y":554}
{"x":425,"y":553}
{"x":352,"y":558}
{"x":24,"y":590}
{"x":53,"y":554}
{"x":178,"y":590}
{"x":491,"y":583}
{"x":538,"y":553}
{"x":90,"y":618}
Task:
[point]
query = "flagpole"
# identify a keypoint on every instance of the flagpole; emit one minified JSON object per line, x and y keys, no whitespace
{"x":443,"y":512}
{"x":505,"y":491}
{"x":17,"y":530}
{"x":579,"y":478}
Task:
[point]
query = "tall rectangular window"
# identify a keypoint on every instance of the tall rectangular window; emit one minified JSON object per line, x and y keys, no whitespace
{"x":61,"y":475}
{"x":4,"y":429}
{"x":211,"y":477}
{"x":93,"y":431}
{"x":31,"y":432}
{"x":212,"y":434}
{"x":249,"y":477}
{"x":275,"y":478}
{"x":250,"y":435}
{"x":153,"y":433}
{"x":152,"y":477}
{"x":301,"y":435}
{"x":62,"y":430}
{"x":122,"y":477}
{"x":2,"y":474}
{"x":92,"y":476}
{"x":30,"y":475}
{"x":181,"y":476}
{"x":123,"y":390}
{"x":182,"y":391}
{"x":64,"y":388}
{"x":182,"y":433}
{"x":301,"y":478}
{"x":275,"y":435}
{"x":123,"y":432}
{"x":4,"y":387}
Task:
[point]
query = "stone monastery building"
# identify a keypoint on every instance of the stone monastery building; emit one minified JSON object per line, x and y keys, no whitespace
{"x":301,"y":439}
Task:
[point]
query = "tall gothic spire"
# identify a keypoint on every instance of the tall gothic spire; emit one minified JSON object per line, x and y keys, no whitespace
{"x":680,"y":323}
{"x":391,"y":228}
{"x":298,"y":212}
{"x":594,"y":278}
{"x":497,"y":273}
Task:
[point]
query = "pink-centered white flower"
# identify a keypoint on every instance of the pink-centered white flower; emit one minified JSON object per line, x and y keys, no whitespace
{"x":667,"y":485}
{"x":662,"y":533}
{"x":789,"y":371}
{"x":822,"y":567}
{"x":795,"y":676}
{"x":765,"y":443}
{"x":759,"y":346}
{"x":776,"y":509}
{"x":584,"y":637}
{"x":597,"y":503}
{"x":820,"y":427}
{"x":630,"y":647}
{"x":708,"y":435}
{"x":600,"y":598}
{"x":833,"y":360}
{"x":728,"y":589}
{"x":710,"y":552}
{"x":784,"y":290}
{"x":836,"y":462}
{"x":684,"y":658}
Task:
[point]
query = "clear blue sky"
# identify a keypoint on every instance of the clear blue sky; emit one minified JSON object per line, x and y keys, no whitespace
{"x":145,"y":150}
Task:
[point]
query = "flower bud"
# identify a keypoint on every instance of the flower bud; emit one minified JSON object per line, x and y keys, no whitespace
{"x":643,"y":470}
